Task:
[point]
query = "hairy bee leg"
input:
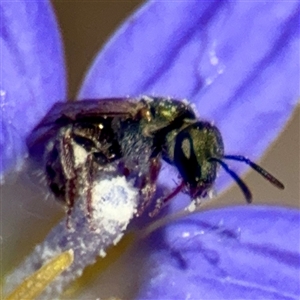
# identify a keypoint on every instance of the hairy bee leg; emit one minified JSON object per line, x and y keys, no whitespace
{"x":162,"y":202}
{"x":70,"y":174}
{"x":70,"y":199}
{"x":148,"y":186}
{"x":90,"y":178}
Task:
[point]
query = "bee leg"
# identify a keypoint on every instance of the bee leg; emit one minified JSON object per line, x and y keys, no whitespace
{"x":162,"y":202}
{"x":70,"y":197}
{"x":89,"y":171}
{"x":67,"y":163}
{"x":148,"y":185}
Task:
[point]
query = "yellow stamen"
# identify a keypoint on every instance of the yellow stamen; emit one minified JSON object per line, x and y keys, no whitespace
{"x":36,"y":283}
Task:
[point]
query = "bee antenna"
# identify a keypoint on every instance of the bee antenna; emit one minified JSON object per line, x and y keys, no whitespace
{"x":242,"y":185}
{"x":257,"y":168}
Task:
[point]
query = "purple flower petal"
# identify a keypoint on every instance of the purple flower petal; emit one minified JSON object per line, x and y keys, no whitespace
{"x":238,"y":61}
{"x":232,"y":253}
{"x":33,"y":74}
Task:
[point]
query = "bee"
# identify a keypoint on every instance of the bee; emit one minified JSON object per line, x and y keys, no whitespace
{"x":77,"y":140}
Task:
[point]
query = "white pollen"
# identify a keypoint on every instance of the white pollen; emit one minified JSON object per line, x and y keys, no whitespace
{"x":112,"y":208}
{"x":80,"y":155}
{"x":191,"y":207}
{"x":102,"y":253}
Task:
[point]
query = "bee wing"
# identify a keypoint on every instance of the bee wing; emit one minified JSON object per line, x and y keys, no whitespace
{"x":65,"y":113}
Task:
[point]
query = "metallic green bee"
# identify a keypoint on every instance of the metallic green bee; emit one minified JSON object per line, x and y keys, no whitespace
{"x":77,"y":140}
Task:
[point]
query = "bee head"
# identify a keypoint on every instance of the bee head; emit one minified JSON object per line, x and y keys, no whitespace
{"x":198,"y":153}
{"x":195,"y":150}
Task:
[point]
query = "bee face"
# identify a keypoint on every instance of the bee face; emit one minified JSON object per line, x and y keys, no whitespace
{"x":194,"y":148}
